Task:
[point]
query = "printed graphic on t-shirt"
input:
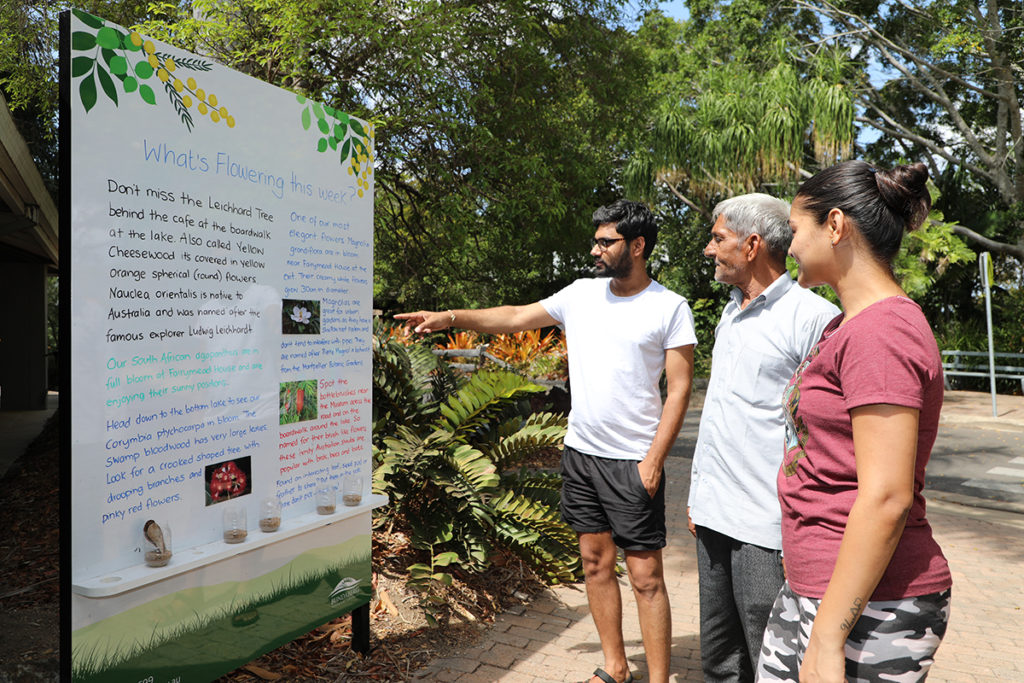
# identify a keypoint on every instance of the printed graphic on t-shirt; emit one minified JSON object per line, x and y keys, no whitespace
{"x":796,"y":431}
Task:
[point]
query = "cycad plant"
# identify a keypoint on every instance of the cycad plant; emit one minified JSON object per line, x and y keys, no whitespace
{"x":448,"y":452}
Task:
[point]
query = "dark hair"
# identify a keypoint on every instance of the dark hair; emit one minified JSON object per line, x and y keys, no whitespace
{"x":882,"y":203}
{"x":632,"y":220}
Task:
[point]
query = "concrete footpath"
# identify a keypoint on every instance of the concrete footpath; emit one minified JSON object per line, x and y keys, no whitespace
{"x":553,"y":639}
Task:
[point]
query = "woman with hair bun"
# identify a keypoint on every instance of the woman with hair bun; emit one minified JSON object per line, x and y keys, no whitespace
{"x":867,"y":588}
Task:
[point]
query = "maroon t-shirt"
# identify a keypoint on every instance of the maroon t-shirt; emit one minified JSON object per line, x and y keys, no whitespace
{"x":884,"y":354}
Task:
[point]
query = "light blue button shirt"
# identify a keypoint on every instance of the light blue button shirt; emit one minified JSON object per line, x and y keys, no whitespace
{"x":742,"y":426}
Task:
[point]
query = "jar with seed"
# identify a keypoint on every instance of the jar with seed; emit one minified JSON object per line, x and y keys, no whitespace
{"x":270,"y":514}
{"x":235,"y":527}
{"x":326,"y":499}
{"x":352,"y":490}
{"x":156,"y":541}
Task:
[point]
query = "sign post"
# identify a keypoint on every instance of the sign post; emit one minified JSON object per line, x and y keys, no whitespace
{"x":217,"y":239}
{"x":985,"y":266}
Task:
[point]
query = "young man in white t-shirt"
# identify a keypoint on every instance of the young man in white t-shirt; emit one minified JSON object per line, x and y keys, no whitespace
{"x":622,"y":331}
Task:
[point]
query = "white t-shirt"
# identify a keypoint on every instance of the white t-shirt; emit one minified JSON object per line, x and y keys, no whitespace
{"x":616,"y":356}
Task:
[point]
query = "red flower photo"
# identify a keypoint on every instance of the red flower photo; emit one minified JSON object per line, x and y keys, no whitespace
{"x":227,"y":480}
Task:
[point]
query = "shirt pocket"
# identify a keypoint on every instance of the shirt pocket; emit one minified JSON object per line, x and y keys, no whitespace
{"x":760,"y":376}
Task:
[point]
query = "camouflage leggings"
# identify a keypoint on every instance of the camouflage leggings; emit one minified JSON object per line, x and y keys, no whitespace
{"x":894,"y":640}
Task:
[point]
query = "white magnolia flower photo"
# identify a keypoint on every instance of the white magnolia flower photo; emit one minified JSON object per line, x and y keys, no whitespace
{"x":301,"y":315}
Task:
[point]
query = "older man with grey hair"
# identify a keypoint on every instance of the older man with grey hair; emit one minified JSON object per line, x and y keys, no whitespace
{"x":767,"y":328}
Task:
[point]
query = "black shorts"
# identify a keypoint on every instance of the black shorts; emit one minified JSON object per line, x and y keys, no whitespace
{"x":605,"y":494}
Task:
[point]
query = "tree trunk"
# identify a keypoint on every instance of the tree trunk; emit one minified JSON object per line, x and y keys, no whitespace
{"x":1014,"y":250}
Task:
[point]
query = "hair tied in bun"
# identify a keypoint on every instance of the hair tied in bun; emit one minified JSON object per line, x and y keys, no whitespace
{"x":881,"y":204}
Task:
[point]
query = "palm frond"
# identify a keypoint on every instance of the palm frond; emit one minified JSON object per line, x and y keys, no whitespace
{"x":541,"y":432}
{"x":487,"y":396}
{"x":537,"y":535}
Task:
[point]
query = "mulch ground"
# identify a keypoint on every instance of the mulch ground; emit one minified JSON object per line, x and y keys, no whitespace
{"x":30,"y":562}
{"x":401,"y":641}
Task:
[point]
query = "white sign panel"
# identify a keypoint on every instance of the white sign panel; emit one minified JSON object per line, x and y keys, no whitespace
{"x":221,"y":265}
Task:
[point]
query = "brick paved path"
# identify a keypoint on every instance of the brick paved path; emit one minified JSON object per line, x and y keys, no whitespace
{"x":553,"y":639}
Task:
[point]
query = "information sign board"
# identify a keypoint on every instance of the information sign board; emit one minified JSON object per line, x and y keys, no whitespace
{"x":218,"y":244}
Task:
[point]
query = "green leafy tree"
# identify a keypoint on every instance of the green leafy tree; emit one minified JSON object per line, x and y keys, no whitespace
{"x":498,"y":124}
{"x":29,"y":68}
{"x":942,"y":82}
{"x":756,"y":101}
{"x":739,"y":108}
{"x":947,"y":88}
{"x":746,"y":111}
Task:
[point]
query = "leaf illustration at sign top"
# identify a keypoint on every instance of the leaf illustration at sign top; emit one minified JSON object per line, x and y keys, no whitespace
{"x":342,"y":118}
{"x":301,"y":99}
{"x":81,"y":66}
{"x":322,"y":125}
{"x":356,"y":127}
{"x":185,"y":62}
{"x":306,"y":119}
{"x":107,"y":83}
{"x":143,"y":70}
{"x":109,"y":38}
{"x":179,"y":105}
{"x":130,"y":84}
{"x":339,"y":132}
{"x":87,"y":91}
{"x":321,"y":146}
{"x":88,"y":19}
{"x":80,"y":40}
{"x":345,"y":148}
{"x":147,"y":94}
{"x":333,"y":143}
{"x":118,"y":65}
{"x":318,"y":110}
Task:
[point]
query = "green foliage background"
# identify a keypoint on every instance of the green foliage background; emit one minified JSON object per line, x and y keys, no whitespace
{"x":500,"y":126}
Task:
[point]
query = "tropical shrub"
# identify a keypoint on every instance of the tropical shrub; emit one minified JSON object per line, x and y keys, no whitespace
{"x":463,"y":339}
{"x":533,"y":354}
{"x":449,"y":453}
{"x":530,"y":353}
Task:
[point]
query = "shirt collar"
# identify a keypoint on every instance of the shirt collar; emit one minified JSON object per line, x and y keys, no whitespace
{"x":771,"y":293}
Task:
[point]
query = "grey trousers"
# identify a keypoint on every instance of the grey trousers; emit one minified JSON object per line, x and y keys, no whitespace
{"x":738,"y":585}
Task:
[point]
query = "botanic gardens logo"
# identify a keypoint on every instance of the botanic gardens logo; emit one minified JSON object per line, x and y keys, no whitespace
{"x":345,"y":589}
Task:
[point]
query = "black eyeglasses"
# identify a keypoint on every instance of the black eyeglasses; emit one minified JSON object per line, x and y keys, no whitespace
{"x":605,"y":242}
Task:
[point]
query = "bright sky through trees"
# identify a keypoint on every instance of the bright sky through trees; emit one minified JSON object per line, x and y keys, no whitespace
{"x":675,"y":9}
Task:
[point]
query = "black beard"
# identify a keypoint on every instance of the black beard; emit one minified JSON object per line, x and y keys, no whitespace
{"x":621,"y":269}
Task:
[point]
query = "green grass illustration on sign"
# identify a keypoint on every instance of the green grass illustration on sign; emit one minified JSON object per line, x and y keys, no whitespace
{"x":113,"y":54}
{"x":212,"y":629}
{"x":339,"y":131}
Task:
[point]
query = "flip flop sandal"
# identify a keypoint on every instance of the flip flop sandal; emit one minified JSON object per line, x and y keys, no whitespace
{"x":606,"y":677}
